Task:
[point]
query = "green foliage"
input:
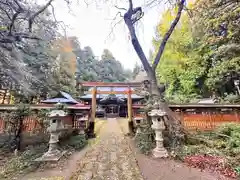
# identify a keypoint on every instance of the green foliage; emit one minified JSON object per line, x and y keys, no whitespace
{"x":224,"y":141}
{"x":24,"y":162}
{"x":136,"y":70}
{"x":42,"y":118}
{"x":177,"y":68}
{"x":202,"y":55}
{"x":23,"y":110}
{"x":77,"y":142}
{"x":64,"y":75}
{"x":231,"y":98}
{"x":237,"y":169}
{"x":14,"y":121}
{"x":25,"y":64}
{"x":145,"y":139}
{"x":217,"y":25}
{"x":90,"y":68}
{"x":232,"y":138}
{"x":228,"y":129}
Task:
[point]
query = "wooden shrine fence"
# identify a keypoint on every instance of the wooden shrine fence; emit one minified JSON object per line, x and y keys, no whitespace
{"x":31,"y":124}
{"x":193,"y":116}
{"x":202,"y":116}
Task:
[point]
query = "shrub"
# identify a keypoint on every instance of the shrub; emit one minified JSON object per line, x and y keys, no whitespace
{"x":24,"y":162}
{"x":77,"y":142}
{"x":228,"y":128}
{"x":144,"y":140}
{"x":223,"y":143}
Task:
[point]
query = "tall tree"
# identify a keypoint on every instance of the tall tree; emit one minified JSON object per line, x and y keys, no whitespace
{"x":111,"y":70}
{"x":89,"y":68}
{"x":86,"y":64}
{"x":217,"y":26}
{"x":136,"y":70}
{"x":131,"y":17}
{"x":178,"y":68}
{"x":23,"y":26}
{"x":66,"y":66}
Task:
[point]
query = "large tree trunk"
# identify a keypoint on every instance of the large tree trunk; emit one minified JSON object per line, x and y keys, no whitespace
{"x":18,"y":134}
{"x":175,"y":134}
{"x":173,"y":123}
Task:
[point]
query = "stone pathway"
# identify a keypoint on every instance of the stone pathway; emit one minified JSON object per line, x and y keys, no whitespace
{"x":111,"y":158}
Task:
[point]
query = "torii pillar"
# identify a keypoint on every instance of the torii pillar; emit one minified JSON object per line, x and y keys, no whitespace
{"x":93,"y":113}
{"x":129,"y":104}
{"x":94,"y":103}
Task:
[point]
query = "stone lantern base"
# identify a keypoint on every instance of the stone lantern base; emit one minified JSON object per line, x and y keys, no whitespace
{"x":160,"y":153}
{"x":81,"y":132}
{"x":53,"y":154}
{"x":50,"y":157}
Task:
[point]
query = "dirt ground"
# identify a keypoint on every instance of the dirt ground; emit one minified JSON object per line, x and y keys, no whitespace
{"x":166,"y":169}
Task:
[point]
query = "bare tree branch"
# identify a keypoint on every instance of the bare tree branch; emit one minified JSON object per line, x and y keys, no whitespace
{"x":130,"y":5}
{"x":61,"y":23}
{"x":113,"y":26}
{"x":20,"y":46}
{"x":135,"y":42}
{"x":120,"y":8}
{"x":31,"y":19}
{"x":115,"y":22}
{"x":18,"y":4}
{"x":168,"y":34}
{"x":13,"y":21}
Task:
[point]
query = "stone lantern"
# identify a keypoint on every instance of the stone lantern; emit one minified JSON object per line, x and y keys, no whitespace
{"x":138,"y":121}
{"x":55,"y":129}
{"x":158,"y":126}
{"x":236,"y":83}
{"x":82,"y":124}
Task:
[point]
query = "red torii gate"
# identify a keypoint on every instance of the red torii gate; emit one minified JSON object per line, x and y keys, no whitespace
{"x":94,"y":93}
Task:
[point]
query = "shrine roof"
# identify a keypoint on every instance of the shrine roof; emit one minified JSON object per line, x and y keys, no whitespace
{"x":61,"y":97}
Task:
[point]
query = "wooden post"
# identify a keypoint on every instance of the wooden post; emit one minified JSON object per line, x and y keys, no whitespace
{"x":129,"y":103}
{"x":94,"y":102}
{"x":129,"y":100}
{"x":91,"y":127}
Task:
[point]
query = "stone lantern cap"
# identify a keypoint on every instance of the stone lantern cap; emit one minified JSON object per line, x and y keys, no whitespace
{"x":84,"y":118}
{"x":157,"y":113}
{"x":57,"y":113}
{"x":138,"y":118}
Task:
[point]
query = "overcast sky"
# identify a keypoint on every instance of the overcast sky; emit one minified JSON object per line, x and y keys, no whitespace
{"x":92,"y":25}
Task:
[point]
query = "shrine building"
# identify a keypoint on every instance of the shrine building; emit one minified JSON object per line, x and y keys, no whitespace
{"x":112,"y":99}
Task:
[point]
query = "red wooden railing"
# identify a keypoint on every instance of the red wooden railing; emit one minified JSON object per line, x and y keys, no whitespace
{"x":193,"y":116}
{"x":31,"y":123}
{"x":207,"y":121}
{"x":200,"y":116}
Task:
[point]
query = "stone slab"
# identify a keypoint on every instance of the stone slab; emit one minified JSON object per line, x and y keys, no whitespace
{"x":54,"y":158}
